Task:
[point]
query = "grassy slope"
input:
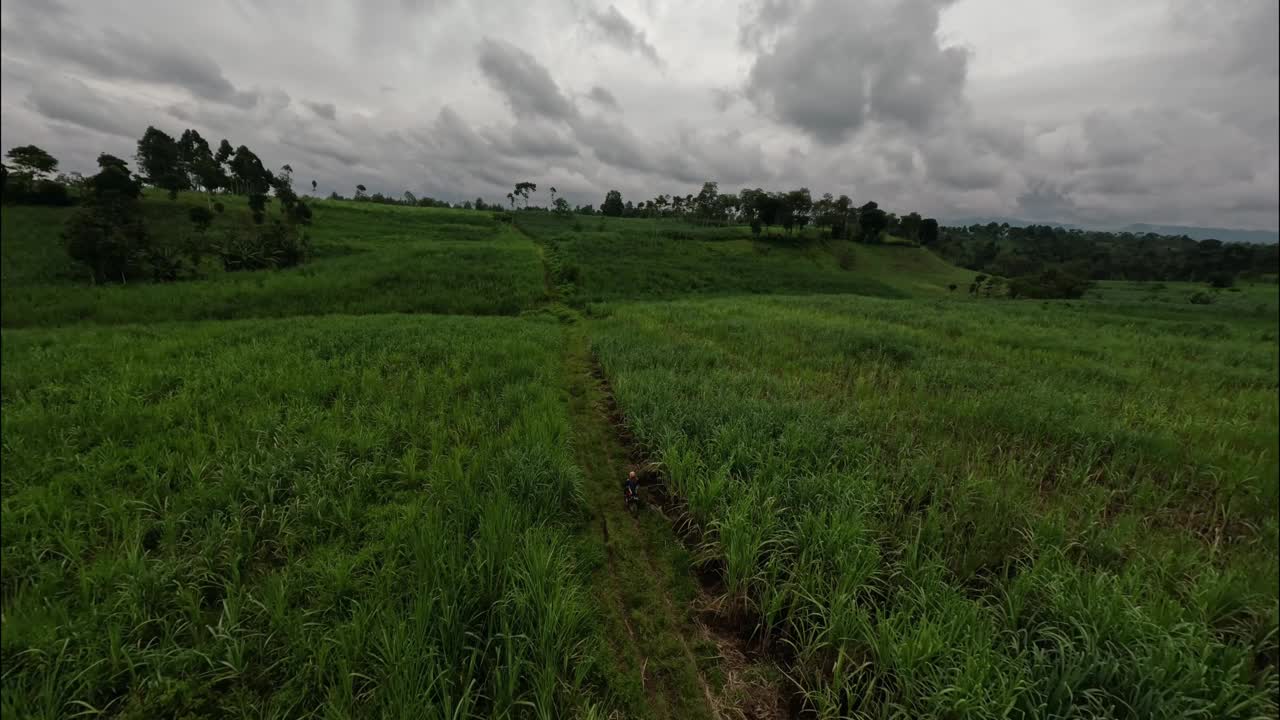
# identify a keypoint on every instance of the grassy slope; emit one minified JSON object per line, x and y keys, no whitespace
{"x":991,"y":505}
{"x":614,"y":259}
{"x":368,"y":259}
{"x":932,"y":390}
{"x":355,"y":517}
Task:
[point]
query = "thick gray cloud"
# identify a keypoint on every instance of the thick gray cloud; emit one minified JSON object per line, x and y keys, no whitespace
{"x":523,"y":81}
{"x":328,"y":111}
{"x":48,"y":29}
{"x":1162,"y":111}
{"x":71,"y":101}
{"x":616,"y":29}
{"x":834,"y":65}
{"x":602,"y":97}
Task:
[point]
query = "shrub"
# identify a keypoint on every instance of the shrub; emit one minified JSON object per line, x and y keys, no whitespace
{"x":165,"y":264}
{"x":48,"y":192}
{"x":267,"y":245}
{"x":114,"y":249}
{"x":1052,"y":283}
{"x":1222,"y":280}
{"x":39,"y":192}
{"x":107,"y":234}
{"x":200,"y":217}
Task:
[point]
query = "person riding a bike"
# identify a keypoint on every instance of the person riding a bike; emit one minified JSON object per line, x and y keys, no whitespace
{"x":631,"y":487}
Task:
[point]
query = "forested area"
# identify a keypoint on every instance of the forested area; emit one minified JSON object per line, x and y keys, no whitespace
{"x":1010,"y":251}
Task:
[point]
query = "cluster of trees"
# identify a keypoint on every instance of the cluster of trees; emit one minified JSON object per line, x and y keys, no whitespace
{"x":109,"y":235}
{"x":408,"y":198}
{"x":1032,"y":251}
{"x":189,"y":163}
{"x":27,"y":178}
{"x":791,"y":210}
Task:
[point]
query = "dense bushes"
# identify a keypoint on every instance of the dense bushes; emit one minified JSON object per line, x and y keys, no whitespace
{"x":271,"y":245}
{"x":1051,"y":283}
{"x":109,"y":237}
{"x":107,"y":234}
{"x":39,"y":192}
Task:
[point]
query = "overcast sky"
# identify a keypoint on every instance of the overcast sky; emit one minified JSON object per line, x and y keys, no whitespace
{"x":1105,"y":111}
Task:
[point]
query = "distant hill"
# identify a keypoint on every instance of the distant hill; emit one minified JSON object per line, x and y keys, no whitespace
{"x":1258,"y":237}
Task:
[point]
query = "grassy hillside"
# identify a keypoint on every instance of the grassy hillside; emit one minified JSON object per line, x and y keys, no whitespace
{"x":967,"y":508}
{"x":920,"y":502}
{"x":262,"y":518}
{"x":610,"y":259}
{"x":368,"y":259}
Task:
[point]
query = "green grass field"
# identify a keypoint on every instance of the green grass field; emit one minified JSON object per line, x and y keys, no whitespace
{"x":975,"y":508}
{"x":264,"y":518}
{"x":333,"y":491}
{"x":611,"y":259}
{"x":368,"y":259}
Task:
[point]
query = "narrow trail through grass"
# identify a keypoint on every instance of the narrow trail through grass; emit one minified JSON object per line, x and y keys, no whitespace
{"x":667,"y":663}
{"x":642,"y":583}
{"x":664,"y":663}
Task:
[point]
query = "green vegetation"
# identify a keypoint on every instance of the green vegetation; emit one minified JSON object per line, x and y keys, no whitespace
{"x":973,"y":507}
{"x":641,"y":577}
{"x":1090,"y":254}
{"x":366,"y":259}
{"x":610,"y":259}
{"x":919,"y":501}
{"x":361,"y":516}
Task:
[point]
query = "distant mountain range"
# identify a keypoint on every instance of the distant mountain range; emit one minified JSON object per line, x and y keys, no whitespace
{"x":1258,"y":237}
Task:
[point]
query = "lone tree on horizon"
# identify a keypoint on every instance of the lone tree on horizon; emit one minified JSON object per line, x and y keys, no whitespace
{"x":523,"y":189}
{"x":32,"y":163}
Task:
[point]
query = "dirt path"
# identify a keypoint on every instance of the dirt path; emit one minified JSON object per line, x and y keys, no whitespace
{"x":669,"y":663}
{"x":666,"y":662}
{"x":643,"y":580}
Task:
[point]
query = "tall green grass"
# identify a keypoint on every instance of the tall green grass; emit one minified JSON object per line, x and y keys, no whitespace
{"x":368,"y":259}
{"x":318,"y":517}
{"x":944,"y":509}
{"x":616,"y":259}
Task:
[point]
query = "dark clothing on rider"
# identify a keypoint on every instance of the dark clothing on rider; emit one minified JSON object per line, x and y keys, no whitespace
{"x":630,"y":487}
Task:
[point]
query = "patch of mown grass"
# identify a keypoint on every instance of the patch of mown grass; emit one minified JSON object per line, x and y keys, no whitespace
{"x":367,"y":259}
{"x":975,"y":508}
{"x":314,"y":517}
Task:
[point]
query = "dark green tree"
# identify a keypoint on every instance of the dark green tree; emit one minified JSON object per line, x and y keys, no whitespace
{"x":612,"y":205}
{"x":928,"y":232}
{"x":107,"y":234}
{"x":872,"y":221}
{"x":160,"y":160}
{"x":31,"y":163}
{"x":706,"y":204}
{"x":522,"y":191}
{"x":251,"y":177}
